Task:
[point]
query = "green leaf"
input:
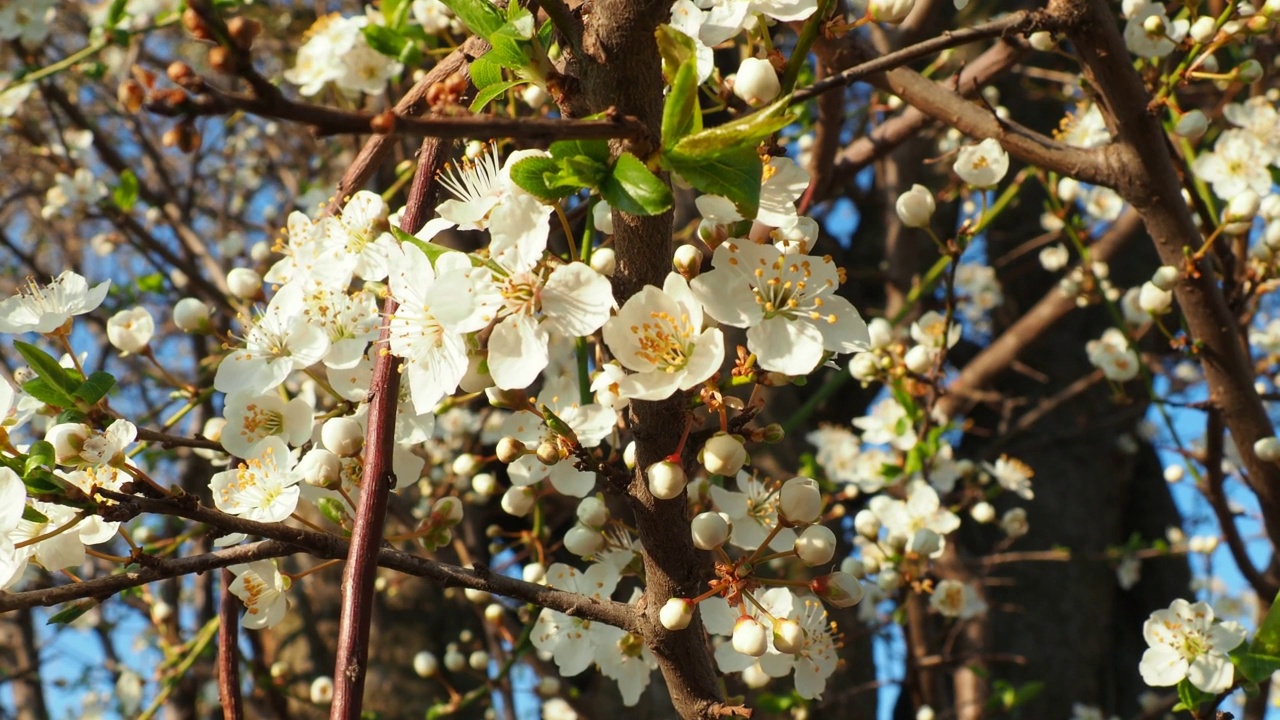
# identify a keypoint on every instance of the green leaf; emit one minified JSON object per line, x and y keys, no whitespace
{"x":579,"y":172}
{"x":507,"y":52}
{"x":40,"y":481}
{"x":484,"y":72}
{"x":40,"y":455}
{"x":480,"y":16}
{"x":125,"y":195}
{"x":1254,"y":667}
{"x":115,"y":14}
{"x":384,"y":40}
{"x":558,"y":426}
{"x":333,"y":511}
{"x":676,"y":49}
{"x":33,"y":515}
{"x":735,"y":175}
{"x":71,"y":612}
{"x":150,"y":283}
{"x":45,"y":392}
{"x":1190,"y":697}
{"x":633,"y":188}
{"x":95,"y":387}
{"x":491,"y":92}
{"x":1267,"y":640}
{"x":431,"y":250}
{"x":744,"y":132}
{"x":597,"y":150}
{"x":395,"y":13}
{"x":46,"y":367}
{"x":681,"y":115}
{"x":536,"y":176}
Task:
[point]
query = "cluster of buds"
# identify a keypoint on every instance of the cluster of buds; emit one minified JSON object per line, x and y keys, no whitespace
{"x":887,"y":357}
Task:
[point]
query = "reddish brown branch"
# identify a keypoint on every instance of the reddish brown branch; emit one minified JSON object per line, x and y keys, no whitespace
{"x":229,"y":651}
{"x":1213,"y":488}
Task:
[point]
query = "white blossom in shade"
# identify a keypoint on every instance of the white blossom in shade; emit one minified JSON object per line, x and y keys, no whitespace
{"x":43,"y":309}
{"x":1150,"y":33}
{"x":606,"y":385}
{"x":1187,"y":643}
{"x":13,"y":500}
{"x":314,"y":254}
{"x":281,"y":341}
{"x":1111,"y":354}
{"x":788,"y":303}
{"x":74,"y":193}
{"x":13,"y":94}
{"x":130,"y":330}
{"x":26,"y":21}
{"x":252,"y":418}
{"x":888,"y":424}
{"x":349,"y":320}
{"x":531,"y":305}
{"x":435,"y":17}
{"x":1259,"y":117}
{"x":573,"y":642}
{"x":1234,"y":165}
{"x":752,"y":511}
{"x":625,"y":659}
{"x":485,"y":198}
{"x":264,"y":487}
{"x":1054,"y":257}
{"x":1012,"y":475}
{"x":437,"y":305}
{"x":982,"y":165}
{"x":109,"y":446}
{"x":955,"y":599}
{"x":1085,"y":128}
{"x":261,"y":588}
{"x":783,"y":182}
{"x":726,"y":18}
{"x":591,"y":423}
{"x":933,"y":330}
{"x":658,"y":335}
{"x":922,"y":510}
{"x":1014,"y":522}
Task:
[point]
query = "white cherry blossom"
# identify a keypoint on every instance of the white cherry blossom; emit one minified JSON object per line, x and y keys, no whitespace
{"x":43,"y":309}
{"x":281,"y":341}
{"x":1187,"y":643}
{"x":261,"y":588}
{"x":264,"y":487}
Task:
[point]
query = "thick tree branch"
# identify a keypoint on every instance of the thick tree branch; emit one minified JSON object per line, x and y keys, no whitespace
{"x":229,"y":651}
{"x":1145,"y":176}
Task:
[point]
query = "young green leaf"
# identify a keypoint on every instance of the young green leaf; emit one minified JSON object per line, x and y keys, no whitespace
{"x":734,"y":175}
{"x":633,"y":188}
{"x":676,"y":49}
{"x":46,"y":367}
{"x":537,"y":176}
{"x":597,"y":150}
{"x":681,"y":115}
{"x":47,"y":393}
{"x":484,"y":72}
{"x":491,"y":92}
{"x":125,"y":195}
{"x":384,"y":40}
{"x":40,"y":455}
{"x":745,"y":132}
{"x":480,"y":16}
{"x":72,"y":612}
{"x":95,"y":387}
{"x":1267,"y":640}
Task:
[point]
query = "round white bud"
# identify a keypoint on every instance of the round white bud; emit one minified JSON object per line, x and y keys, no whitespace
{"x":321,"y":691}
{"x":866,"y":524}
{"x":748,"y":637}
{"x":583,"y":541}
{"x":915,"y":207}
{"x":478,"y":660}
{"x":891,"y":12}
{"x":1191,"y":125}
{"x":1154,"y":300}
{"x":1042,"y":40}
{"x":1203,"y":29}
{"x":756,"y":82}
{"x":983,"y":512}
{"x":666,"y":479}
{"x":676,"y":614}
{"x":342,"y":436}
{"x":604,"y":261}
{"x":320,"y":468}
{"x":454,"y":661}
{"x":723,"y":454}
{"x":1267,"y":449}
{"x":710,"y":530}
{"x":687,"y":261}
{"x":244,"y":283}
{"x":788,"y":636}
{"x":592,"y":512}
{"x":518,"y":501}
{"x":534,"y":572}
{"x":191,"y":315}
{"x":425,"y":664}
{"x":816,"y":545}
{"x":880,"y":333}
{"x":509,"y":450}
{"x":800,"y":500}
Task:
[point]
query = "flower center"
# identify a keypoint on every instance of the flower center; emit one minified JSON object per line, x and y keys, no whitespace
{"x":664,"y":341}
{"x":522,"y":294}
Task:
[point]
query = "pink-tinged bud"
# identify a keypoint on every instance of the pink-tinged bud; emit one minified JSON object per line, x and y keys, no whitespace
{"x":788,"y":636}
{"x":800,"y":501}
{"x":676,"y":614}
{"x":816,"y":545}
{"x":839,"y":588}
{"x":749,"y":637}
{"x":666,"y":480}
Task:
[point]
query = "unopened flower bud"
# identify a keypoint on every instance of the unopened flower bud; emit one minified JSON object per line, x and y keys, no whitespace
{"x":478,"y":660}
{"x":507,"y":399}
{"x":710,"y":530}
{"x":666,"y":479}
{"x":518,"y":501}
{"x":425,"y":664}
{"x":676,"y":614}
{"x":130,"y":94}
{"x":67,"y":440}
{"x":915,"y":207}
{"x":1203,"y":29}
{"x":342,"y":436}
{"x":773,"y":433}
{"x":1042,"y":40}
{"x":880,"y":333}
{"x":1154,"y":300}
{"x":604,"y":261}
{"x":839,"y":588}
{"x":816,"y":545}
{"x":925,"y":542}
{"x":788,"y":636}
{"x":756,"y":82}
{"x":982,"y":512}
{"x":1191,"y":125}
{"x":534,"y":572}
{"x":583,"y":541}
{"x":466,"y":465}
{"x":920,"y":358}
{"x":1267,"y":449}
{"x":548,"y":452}
{"x":244,"y":283}
{"x":1249,"y":71}
{"x":629,"y":455}
{"x":191,"y":315}
{"x":867,"y":524}
{"x":1165,"y":277}
{"x":592,"y":512}
{"x":800,"y":501}
{"x":687,"y":261}
{"x":749,"y":637}
{"x":1243,"y":207}
{"x":864,"y":366}
{"x":279,"y":669}
{"x":161,"y":612}
{"x":891,"y":12}
{"x":454,"y":661}
{"x":723,"y":454}
{"x":320,"y":468}
{"x":509,"y":450}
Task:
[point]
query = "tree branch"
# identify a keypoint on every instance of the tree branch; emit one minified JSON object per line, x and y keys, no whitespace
{"x":229,"y":651}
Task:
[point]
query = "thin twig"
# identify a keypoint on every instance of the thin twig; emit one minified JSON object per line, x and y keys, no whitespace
{"x":229,"y":651}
